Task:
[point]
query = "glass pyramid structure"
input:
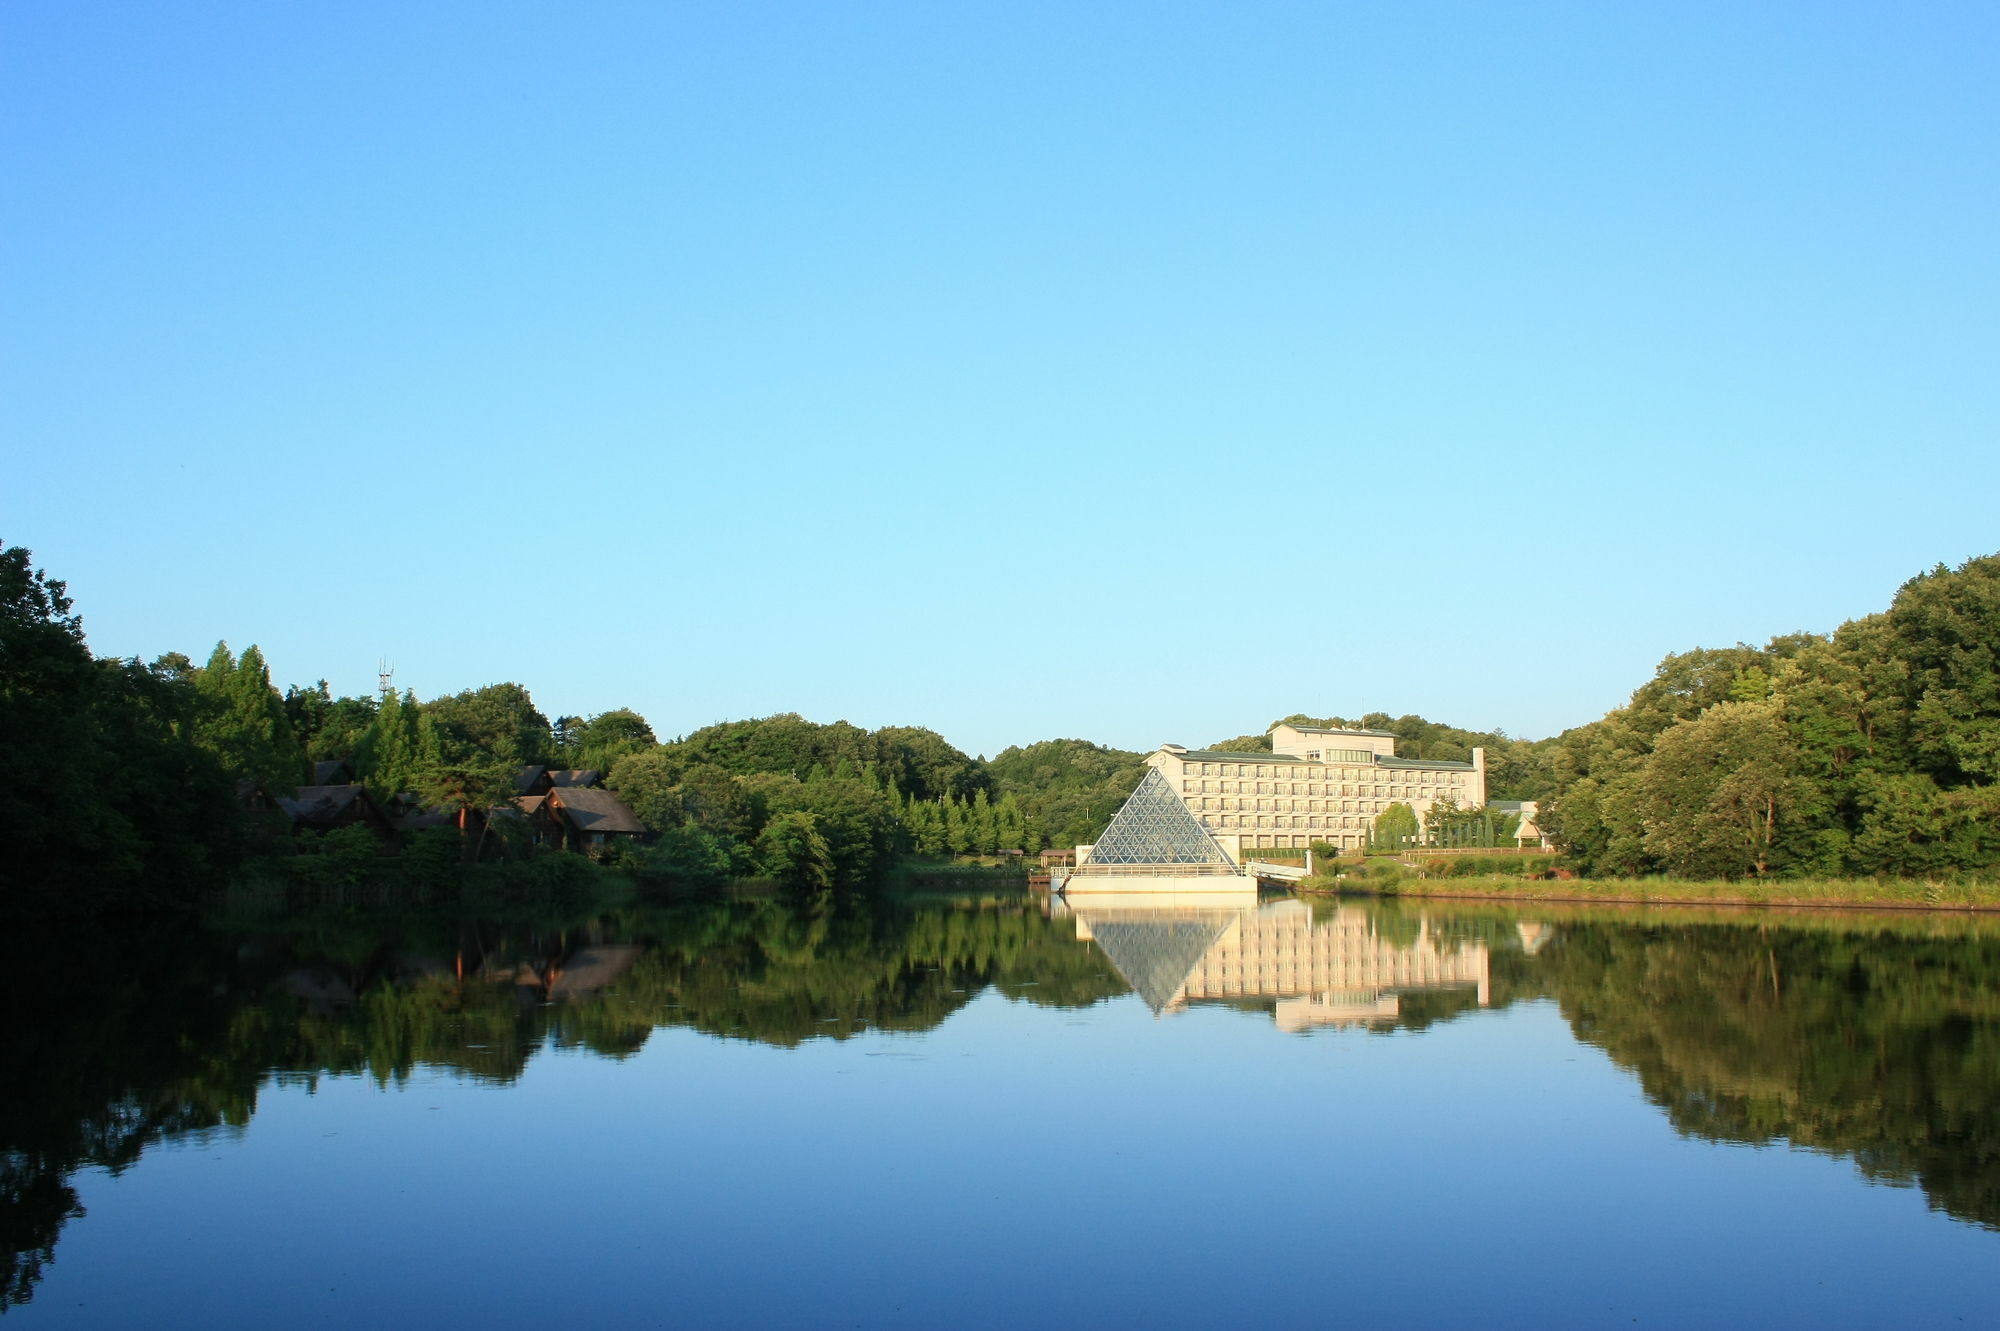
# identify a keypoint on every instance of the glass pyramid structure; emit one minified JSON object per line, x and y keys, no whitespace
{"x":1156,"y":828}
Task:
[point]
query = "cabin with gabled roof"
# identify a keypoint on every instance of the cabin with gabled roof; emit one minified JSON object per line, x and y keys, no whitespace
{"x":325,"y":808}
{"x":589,"y":819}
{"x":332,"y":772}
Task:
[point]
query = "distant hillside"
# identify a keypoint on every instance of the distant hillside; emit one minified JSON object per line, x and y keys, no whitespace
{"x":1068,"y":787}
{"x":1513,"y":766}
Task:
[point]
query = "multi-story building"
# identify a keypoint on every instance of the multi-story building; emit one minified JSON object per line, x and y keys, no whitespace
{"x":1316,"y":784}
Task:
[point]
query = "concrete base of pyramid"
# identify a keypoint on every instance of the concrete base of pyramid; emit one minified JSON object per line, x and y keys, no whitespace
{"x":1208,"y":889}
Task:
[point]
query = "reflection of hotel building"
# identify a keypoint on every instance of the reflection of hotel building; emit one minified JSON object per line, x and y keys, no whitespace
{"x":1315,"y":785}
{"x":1321,"y":971}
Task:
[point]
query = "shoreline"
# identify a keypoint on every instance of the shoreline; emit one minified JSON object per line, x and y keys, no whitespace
{"x":1566,"y":894}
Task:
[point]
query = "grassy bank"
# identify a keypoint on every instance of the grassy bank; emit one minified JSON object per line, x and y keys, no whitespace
{"x":959,"y":874}
{"x":1877,"y":893}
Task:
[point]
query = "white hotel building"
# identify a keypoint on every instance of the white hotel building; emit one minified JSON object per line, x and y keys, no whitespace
{"x":1315,"y":785}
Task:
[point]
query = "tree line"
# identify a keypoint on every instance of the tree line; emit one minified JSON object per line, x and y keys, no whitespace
{"x":132,"y":777}
{"x":1872,"y":750}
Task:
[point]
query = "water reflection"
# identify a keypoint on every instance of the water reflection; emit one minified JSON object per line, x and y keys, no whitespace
{"x":122,"y":1040}
{"x":1873,"y":1038}
{"x":1317,"y":967}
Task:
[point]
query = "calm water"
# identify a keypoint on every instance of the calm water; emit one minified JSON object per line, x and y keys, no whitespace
{"x":983,"y":1113}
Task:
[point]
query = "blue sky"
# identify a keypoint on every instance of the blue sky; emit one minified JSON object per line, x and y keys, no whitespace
{"x":1136,"y":372}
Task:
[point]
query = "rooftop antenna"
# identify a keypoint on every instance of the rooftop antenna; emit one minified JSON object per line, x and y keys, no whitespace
{"x":385,"y":676}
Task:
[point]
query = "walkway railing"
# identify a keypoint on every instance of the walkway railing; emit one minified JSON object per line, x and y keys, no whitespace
{"x":1090,"y":869}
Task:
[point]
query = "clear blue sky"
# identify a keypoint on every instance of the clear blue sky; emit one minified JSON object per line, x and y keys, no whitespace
{"x":1136,"y":372}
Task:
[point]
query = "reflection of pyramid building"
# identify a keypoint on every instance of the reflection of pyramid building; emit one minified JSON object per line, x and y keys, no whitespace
{"x":1157,"y":954}
{"x":1156,"y":830}
{"x":1320,"y":970}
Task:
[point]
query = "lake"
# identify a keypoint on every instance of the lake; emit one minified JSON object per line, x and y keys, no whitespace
{"x":1000,"y":1111}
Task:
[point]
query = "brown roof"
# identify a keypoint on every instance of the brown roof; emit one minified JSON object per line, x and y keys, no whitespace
{"x":590,"y":810}
{"x":320,"y":804}
{"x":332,"y":772}
{"x":575,"y":776}
{"x":529,"y":777}
{"x":519,"y":806}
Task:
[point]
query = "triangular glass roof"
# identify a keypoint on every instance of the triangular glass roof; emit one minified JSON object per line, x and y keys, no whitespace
{"x":1156,"y":827}
{"x":1156,"y":955}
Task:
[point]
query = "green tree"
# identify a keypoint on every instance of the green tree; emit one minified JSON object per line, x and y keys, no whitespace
{"x":242,"y":720}
{"x":328,"y":727}
{"x":1946,"y":627}
{"x":921,"y":763}
{"x":1720,"y":789}
{"x":1396,"y":825}
{"x":605,"y":738}
{"x":471,"y":786}
{"x":499,"y":721}
{"x":400,"y":751}
{"x":649,"y":783}
{"x":118,"y":807}
{"x":791,"y":850}
{"x":690,"y":857}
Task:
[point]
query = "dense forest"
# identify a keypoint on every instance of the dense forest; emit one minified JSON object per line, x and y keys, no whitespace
{"x":1871,"y":750}
{"x":149,"y":777}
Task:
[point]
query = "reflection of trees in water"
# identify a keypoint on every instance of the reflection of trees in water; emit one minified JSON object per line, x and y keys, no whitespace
{"x":1870,"y":1045}
{"x":1882,"y":1044}
{"x":120,"y":1041}
{"x":111,"y":1046}
{"x":771,"y":971}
